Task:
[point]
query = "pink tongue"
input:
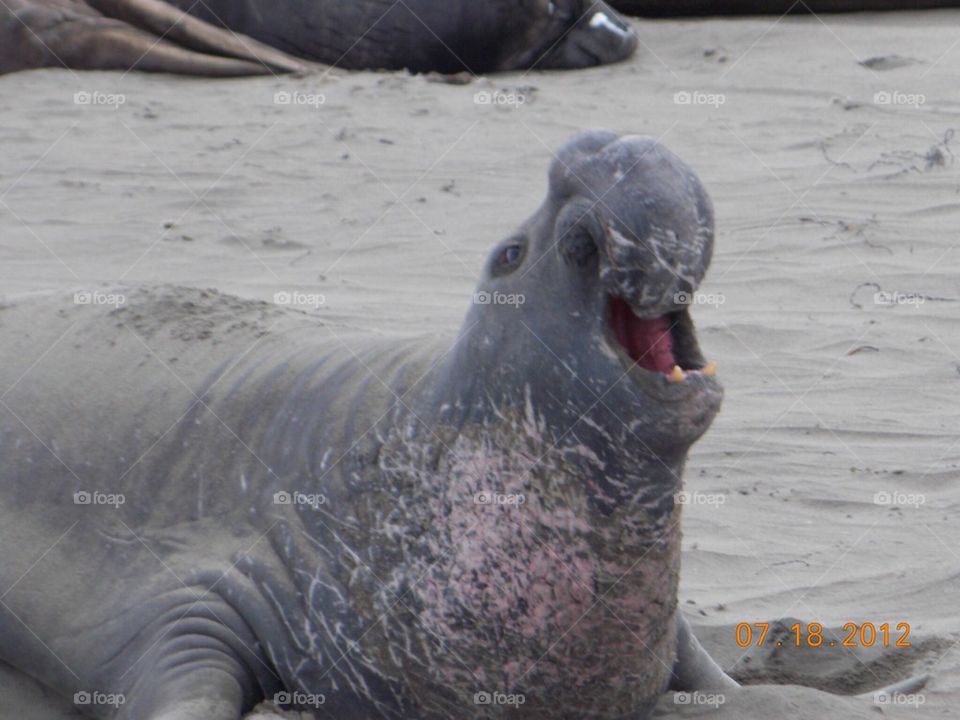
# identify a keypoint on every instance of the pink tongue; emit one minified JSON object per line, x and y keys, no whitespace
{"x":648,"y":342}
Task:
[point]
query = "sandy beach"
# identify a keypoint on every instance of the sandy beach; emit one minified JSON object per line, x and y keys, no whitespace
{"x":828,"y":489}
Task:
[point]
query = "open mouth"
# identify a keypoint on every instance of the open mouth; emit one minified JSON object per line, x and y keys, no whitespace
{"x":666,"y":344}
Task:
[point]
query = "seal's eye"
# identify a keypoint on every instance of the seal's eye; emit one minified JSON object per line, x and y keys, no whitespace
{"x":507,"y":259}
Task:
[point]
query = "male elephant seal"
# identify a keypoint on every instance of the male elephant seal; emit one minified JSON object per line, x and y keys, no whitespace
{"x":205,"y":500}
{"x":227,"y":37}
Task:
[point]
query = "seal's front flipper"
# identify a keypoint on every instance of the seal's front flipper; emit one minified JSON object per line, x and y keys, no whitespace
{"x":126,"y":35}
{"x":266,"y":711}
{"x":694,"y":669}
{"x":212,"y":686}
{"x":199,"y":710}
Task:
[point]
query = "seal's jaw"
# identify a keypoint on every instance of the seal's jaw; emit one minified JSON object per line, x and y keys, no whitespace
{"x":665,"y":345}
{"x":597,"y":36}
{"x":572,"y":34}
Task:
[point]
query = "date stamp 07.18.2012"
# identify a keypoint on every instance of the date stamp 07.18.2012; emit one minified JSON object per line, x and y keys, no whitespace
{"x":811,"y":634}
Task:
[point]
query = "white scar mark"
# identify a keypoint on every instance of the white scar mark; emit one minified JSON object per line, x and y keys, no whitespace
{"x":619,"y":239}
{"x":601,"y":20}
{"x":658,"y":238}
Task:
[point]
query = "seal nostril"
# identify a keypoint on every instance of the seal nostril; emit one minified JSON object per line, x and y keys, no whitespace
{"x":579,"y":251}
{"x":577,"y":230}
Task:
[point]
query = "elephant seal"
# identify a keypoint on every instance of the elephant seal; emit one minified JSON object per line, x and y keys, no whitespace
{"x":225,"y":38}
{"x":205,"y":501}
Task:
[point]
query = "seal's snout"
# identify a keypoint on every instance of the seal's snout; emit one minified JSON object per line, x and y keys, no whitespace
{"x":644,"y":285}
{"x":636,"y":225}
{"x":612,"y":33}
{"x":648,"y":275}
{"x":598,"y":36}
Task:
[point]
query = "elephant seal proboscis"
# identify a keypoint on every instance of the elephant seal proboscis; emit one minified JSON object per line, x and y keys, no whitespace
{"x":207,"y":501}
{"x":225,"y":38}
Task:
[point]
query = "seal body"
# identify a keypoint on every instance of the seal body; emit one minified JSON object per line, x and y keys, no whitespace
{"x":250,"y":37}
{"x":213,"y":501}
{"x":426,"y":35}
{"x":431,"y":550}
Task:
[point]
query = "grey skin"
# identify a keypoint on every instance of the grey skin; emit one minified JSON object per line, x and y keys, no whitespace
{"x":223,"y":38}
{"x":674,"y":8}
{"x":396,"y":593}
{"x":205,"y":501}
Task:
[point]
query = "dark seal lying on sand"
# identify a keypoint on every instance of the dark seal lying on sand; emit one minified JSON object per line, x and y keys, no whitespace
{"x":205,"y":501}
{"x":225,"y":37}
{"x":396,"y":525}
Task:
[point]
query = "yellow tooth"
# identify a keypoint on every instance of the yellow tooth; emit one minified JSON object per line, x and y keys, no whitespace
{"x":710,"y":369}
{"x":677,"y":376}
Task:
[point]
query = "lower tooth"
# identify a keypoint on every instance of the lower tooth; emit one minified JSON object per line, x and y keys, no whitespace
{"x":710,"y":369}
{"x":677,"y":376}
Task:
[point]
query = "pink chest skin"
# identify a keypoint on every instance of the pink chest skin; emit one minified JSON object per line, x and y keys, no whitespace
{"x":520,"y":587}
